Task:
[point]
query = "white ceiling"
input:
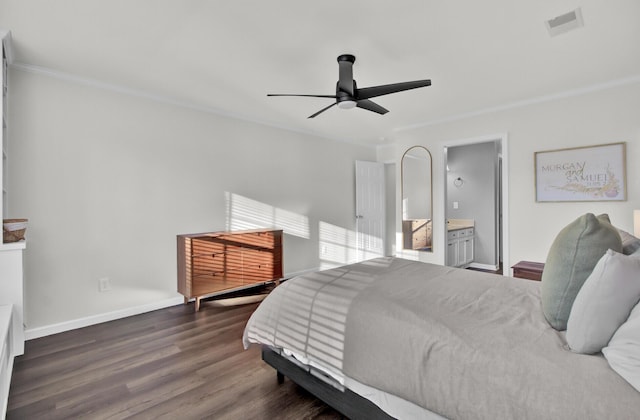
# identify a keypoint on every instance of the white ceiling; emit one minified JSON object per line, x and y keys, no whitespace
{"x":225,"y":56}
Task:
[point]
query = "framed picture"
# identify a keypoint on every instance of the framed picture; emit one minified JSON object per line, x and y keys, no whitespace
{"x":593,"y":173}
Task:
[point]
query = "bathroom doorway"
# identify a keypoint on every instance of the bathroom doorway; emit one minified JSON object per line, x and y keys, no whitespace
{"x":474,"y":187}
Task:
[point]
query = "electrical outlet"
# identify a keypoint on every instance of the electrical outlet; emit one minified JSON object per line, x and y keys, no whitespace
{"x":104,"y":284}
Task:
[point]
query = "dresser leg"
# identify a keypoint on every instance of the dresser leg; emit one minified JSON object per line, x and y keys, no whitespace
{"x":197,"y":304}
{"x":186,"y":300}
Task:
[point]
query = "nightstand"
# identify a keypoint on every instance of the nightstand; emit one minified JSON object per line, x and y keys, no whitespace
{"x":528,"y":270}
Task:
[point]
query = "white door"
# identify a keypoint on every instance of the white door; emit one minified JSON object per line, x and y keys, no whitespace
{"x":370,"y":209}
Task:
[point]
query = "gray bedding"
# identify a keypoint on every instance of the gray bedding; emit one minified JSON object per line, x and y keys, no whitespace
{"x":463,"y":344}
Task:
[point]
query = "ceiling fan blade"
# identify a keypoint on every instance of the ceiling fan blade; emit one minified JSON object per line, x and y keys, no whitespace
{"x":345,"y":73}
{"x":321,"y":111}
{"x":371,"y":106}
{"x":372,"y":92}
{"x":308,"y":96}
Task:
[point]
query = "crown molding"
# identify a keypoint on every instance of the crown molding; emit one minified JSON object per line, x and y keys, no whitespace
{"x":112,"y":87}
{"x":72,"y":78}
{"x":526,"y":102}
{"x":5,"y":36}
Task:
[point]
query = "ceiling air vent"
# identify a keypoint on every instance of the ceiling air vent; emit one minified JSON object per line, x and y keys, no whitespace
{"x":564,"y":23}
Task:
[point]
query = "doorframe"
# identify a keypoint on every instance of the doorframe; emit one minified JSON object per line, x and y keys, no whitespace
{"x":390,"y":197}
{"x":503,"y":139}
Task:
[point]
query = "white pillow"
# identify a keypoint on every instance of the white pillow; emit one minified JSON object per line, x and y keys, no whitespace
{"x":623,"y":351}
{"x":604,"y":302}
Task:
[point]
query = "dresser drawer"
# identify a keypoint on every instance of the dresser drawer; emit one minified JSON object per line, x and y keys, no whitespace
{"x":211,"y":283}
{"x":215,"y":263}
{"x":259,"y":240}
{"x":208,"y":246}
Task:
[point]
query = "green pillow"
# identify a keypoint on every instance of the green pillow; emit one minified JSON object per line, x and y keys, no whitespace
{"x":572,"y":257}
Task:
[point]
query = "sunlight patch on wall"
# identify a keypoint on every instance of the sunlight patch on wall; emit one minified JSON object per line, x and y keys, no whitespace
{"x":339,"y":246}
{"x":244,"y":213}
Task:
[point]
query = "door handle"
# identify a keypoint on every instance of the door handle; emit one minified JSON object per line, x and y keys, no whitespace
{"x":359,"y":216}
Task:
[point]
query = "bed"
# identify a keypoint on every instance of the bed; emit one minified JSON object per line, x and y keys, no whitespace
{"x":393,"y":338}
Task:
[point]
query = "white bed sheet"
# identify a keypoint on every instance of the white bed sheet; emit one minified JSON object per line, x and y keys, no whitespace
{"x":391,"y":404}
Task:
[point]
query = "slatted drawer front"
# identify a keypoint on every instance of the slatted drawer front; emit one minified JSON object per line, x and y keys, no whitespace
{"x":207,"y":284}
{"x":261,"y":265}
{"x":231,"y":260}
{"x":208,"y":246}
{"x":259,"y":240}
{"x":257,"y":275}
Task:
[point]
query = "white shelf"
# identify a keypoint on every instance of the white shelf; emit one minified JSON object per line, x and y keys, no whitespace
{"x":6,"y":356}
{"x":11,"y":246}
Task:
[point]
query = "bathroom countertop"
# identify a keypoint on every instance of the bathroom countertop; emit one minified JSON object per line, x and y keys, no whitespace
{"x":457,"y":224}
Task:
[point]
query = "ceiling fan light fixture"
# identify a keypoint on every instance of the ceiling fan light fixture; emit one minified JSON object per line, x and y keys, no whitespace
{"x":348,"y":104}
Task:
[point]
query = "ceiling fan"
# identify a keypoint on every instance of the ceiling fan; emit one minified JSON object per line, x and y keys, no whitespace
{"x":349,"y":96}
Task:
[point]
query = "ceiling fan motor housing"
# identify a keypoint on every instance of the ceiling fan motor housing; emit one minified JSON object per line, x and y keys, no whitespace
{"x":347,"y":57}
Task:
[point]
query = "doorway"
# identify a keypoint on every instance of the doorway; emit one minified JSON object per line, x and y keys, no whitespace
{"x":370,"y":210}
{"x":475,"y":192}
{"x":383,"y":198}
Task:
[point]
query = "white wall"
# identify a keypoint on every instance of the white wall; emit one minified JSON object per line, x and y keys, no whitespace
{"x":591,"y":118}
{"x":108,"y":180}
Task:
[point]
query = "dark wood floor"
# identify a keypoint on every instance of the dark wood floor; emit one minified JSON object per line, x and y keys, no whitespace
{"x":172,"y":363}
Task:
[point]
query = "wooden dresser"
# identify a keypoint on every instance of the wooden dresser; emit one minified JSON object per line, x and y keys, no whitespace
{"x":214,"y":262}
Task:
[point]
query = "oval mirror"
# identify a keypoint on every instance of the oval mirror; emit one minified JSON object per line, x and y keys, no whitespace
{"x":416,"y":199}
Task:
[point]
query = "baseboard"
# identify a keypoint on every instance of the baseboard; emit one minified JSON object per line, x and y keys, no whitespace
{"x":33,"y":333}
{"x":489,"y":267}
{"x":7,"y":352}
{"x":6,"y":379}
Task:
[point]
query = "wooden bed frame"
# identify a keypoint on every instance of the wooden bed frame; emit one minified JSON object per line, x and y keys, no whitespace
{"x":346,"y":402}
